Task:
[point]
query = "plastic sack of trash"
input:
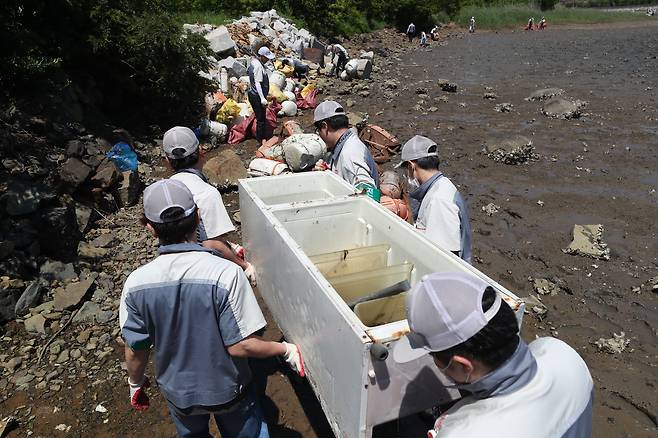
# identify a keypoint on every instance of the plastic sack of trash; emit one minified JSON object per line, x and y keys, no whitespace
{"x":277,"y":78}
{"x":390,"y":185}
{"x":266,"y":167}
{"x":228,"y":112}
{"x":302,"y":151}
{"x":288,"y":109}
{"x":276,"y":93}
{"x":307,"y":89}
{"x":123,"y":156}
{"x":218,"y":130}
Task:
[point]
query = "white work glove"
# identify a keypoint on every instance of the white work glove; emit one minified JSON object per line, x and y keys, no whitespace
{"x":263,"y":102}
{"x":294,"y":358}
{"x":250,"y":272}
{"x":320,"y":165}
{"x":138,"y":397}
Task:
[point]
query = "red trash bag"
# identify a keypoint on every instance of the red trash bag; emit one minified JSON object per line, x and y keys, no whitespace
{"x":308,"y":102}
{"x":247,"y":128}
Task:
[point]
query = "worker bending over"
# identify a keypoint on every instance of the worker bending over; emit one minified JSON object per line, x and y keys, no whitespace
{"x":199,"y":314}
{"x":339,"y":58}
{"x":349,"y":157}
{"x":511,"y":389}
{"x":411,"y":32}
{"x":439,"y":211}
{"x":183,"y":156}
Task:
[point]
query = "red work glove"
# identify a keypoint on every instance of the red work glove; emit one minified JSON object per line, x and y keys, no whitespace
{"x":138,"y":397}
{"x":294,"y":358}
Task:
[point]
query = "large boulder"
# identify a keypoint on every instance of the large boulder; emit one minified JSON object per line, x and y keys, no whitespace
{"x":560,"y":108}
{"x":514,"y":150}
{"x":74,"y":293}
{"x":225,"y":169}
{"x":106,"y":176}
{"x":74,"y":172}
{"x":59,"y":233}
{"x":221,"y":42}
{"x":363,"y":68}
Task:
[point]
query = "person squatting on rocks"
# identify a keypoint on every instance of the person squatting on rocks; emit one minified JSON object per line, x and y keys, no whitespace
{"x":411,"y":32}
{"x":434,"y":33}
{"x":339,"y":58}
{"x":183,"y":156}
{"x":471,"y":25}
{"x":199,"y":314}
{"x":438,"y":209}
{"x":542,"y":23}
{"x":348,"y":157}
{"x":423,"y":39}
{"x":510,"y":389}
{"x":259,"y":87}
{"x":531,"y":23}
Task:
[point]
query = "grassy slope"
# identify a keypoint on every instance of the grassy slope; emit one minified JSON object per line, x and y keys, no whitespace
{"x":509,"y":16}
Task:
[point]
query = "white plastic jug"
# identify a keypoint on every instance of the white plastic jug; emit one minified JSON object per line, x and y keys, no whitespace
{"x":288,"y":109}
{"x":302,"y":151}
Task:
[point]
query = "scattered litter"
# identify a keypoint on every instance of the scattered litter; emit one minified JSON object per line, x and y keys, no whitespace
{"x":587,"y":242}
{"x":446,"y":85}
{"x":615,"y":345}
{"x":490,"y":95}
{"x":535,"y":307}
{"x":552,"y":286}
{"x":63,"y":427}
{"x":515,"y":150}
{"x":490,"y":209}
{"x":540,"y":203}
{"x":100,"y":408}
{"x":504,"y":107}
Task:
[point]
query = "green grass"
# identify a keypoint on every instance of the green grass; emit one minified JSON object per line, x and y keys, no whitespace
{"x":204,"y":17}
{"x":510,"y":16}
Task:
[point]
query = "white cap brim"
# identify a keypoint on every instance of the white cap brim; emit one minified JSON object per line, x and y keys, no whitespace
{"x":409,"y":348}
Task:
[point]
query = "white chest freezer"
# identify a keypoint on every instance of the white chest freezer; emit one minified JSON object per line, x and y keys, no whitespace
{"x":317,"y":248}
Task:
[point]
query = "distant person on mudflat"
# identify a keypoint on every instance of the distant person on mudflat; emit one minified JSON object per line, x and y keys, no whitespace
{"x":471,"y":25}
{"x":439,"y":211}
{"x":423,"y":39}
{"x":411,"y":32}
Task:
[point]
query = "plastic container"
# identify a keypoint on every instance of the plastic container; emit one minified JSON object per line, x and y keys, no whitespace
{"x":288,"y":109}
{"x":302,"y":151}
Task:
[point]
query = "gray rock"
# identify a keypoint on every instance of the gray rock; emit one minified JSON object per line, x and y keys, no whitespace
{"x":515,"y":150}
{"x":105,"y":240}
{"x":63,"y":357}
{"x":368,"y":55}
{"x":55,"y":270}
{"x":255,"y":42}
{"x":24,"y":379}
{"x":225,"y":169}
{"x":197,"y":28}
{"x":73,"y":294}
{"x":91,"y":312}
{"x":268,"y":32}
{"x":89,"y":251}
{"x":588,"y":242}
{"x":75,"y":148}
{"x":59,"y":233}
{"x":36,"y":324}
{"x":129,"y":189}
{"x":13,"y":364}
{"x":545,"y":93}
{"x":74,"y":172}
{"x":221,"y":42}
{"x":560,"y":108}
{"x":615,"y":345}
{"x":83,"y":214}
{"x":504,"y":107}
{"x":31,"y":297}
{"x":106,"y":175}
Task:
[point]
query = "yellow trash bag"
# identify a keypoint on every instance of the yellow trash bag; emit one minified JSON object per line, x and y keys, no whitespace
{"x":275,"y":93}
{"x":287,"y":69}
{"x":307,"y":89}
{"x":229,"y":111}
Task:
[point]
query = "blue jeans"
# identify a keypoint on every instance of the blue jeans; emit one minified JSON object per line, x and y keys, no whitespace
{"x":243,"y":421}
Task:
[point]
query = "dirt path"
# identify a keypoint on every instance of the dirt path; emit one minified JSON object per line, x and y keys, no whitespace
{"x":600,"y":169}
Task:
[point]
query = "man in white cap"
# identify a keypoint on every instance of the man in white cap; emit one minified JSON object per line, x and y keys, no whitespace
{"x":438,"y":209}
{"x":183,"y":155}
{"x":339,"y":58}
{"x":411,"y":32}
{"x":349,"y":157}
{"x":259,"y":88}
{"x":511,"y":389}
{"x":199,"y":314}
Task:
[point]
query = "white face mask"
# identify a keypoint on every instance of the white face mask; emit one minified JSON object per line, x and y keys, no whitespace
{"x":412,"y":182}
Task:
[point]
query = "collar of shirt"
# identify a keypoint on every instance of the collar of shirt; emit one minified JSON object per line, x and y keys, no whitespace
{"x":196,"y":172}
{"x":515,"y":373}
{"x":339,"y":146}
{"x":182,"y":247}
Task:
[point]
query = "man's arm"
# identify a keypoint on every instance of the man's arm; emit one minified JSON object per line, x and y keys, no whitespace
{"x":136,"y":361}
{"x":219,"y":245}
{"x":254,"y":346}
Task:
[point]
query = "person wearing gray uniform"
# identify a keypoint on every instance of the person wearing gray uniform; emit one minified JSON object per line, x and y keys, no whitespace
{"x":259,"y":88}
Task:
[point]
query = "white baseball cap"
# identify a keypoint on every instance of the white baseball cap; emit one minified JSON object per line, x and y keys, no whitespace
{"x":417,"y":147}
{"x":265,"y":51}
{"x":326,"y":109}
{"x":443,"y":310}
{"x":164,"y":195}
{"x":179,"y":142}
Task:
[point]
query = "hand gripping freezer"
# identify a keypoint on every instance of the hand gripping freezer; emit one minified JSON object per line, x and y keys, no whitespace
{"x":317,"y":250}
